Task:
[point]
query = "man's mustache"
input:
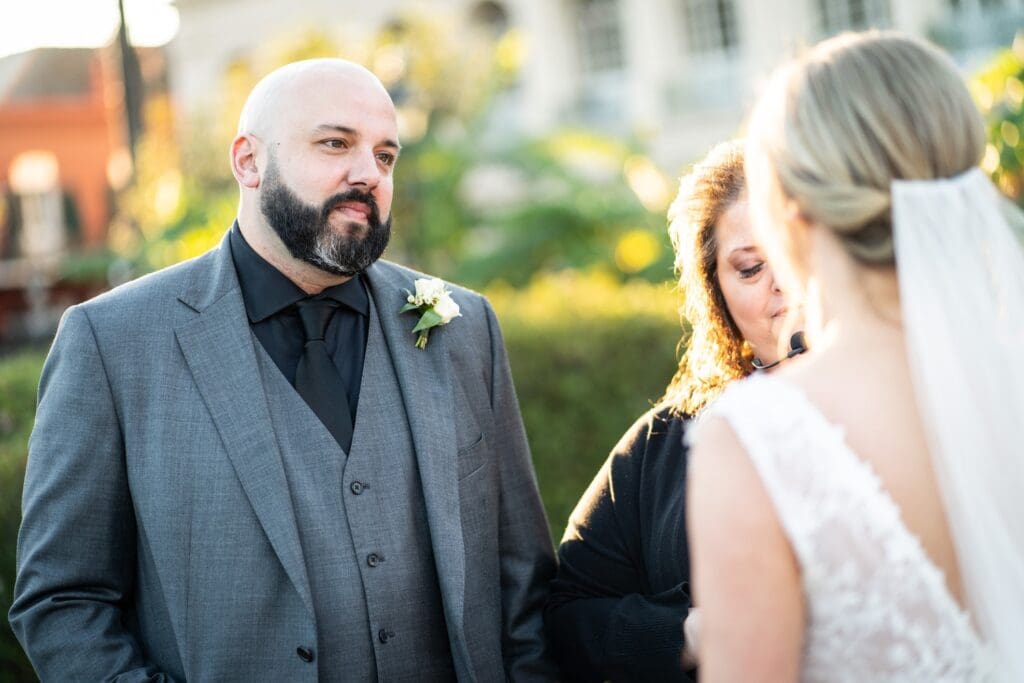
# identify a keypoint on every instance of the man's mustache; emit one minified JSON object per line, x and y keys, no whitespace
{"x":352,"y":196}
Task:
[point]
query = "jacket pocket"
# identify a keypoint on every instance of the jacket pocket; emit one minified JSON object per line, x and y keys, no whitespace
{"x":470,"y":458}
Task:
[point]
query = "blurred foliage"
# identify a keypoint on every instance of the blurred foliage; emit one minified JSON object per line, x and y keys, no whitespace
{"x":999,"y":91}
{"x":473,"y":203}
{"x":589,"y":355}
{"x":571,"y":199}
{"x":88,"y":266}
{"x":19,"y":376}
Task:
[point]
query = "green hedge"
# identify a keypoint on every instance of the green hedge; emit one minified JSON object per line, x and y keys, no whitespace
{"x":19,"y":376}
{"x":588,"y":356}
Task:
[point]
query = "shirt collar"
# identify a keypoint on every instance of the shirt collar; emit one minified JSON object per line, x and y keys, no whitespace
{"x":266,"y":291}
{"x":351,"y":293}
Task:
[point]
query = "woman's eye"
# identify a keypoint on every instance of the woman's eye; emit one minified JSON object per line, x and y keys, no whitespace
{"x":752,"y":271}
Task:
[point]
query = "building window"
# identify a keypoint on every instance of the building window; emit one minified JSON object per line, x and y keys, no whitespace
{"x":600,"y":37}
{"x":35,"y":180}
{"x":853,"y":15}
{"x":974,"y":27}
{"x":986,"y":5}
{"x":711,"y":26}
{"x":712,"y":45}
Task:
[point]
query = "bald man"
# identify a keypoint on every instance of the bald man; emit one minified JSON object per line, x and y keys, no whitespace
{"x":243,"y":467}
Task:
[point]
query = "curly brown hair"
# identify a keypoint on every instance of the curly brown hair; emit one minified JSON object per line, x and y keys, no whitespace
{"x":715,"y":352}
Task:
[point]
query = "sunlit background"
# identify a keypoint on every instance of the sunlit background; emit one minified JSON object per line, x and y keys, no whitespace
{"x":543,"y":143}
{"x":83,"y":23}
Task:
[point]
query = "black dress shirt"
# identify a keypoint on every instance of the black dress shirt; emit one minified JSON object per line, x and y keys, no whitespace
{"x":618,"y":602}
{"x":270,"y":300}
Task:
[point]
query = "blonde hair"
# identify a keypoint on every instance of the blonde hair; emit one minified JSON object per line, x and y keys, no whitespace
{"x":860,"y":110}
{"x":715,"y":352}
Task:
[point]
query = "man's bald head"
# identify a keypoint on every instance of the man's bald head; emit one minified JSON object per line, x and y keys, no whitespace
{"x":279,"y":92}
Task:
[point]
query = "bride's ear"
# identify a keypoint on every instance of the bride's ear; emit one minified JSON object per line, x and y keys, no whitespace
{"x":794,"y":216}
{"x":801,"y":232}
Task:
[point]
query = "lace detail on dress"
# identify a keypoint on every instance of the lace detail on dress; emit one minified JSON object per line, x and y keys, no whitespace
{"x":878,"y":607}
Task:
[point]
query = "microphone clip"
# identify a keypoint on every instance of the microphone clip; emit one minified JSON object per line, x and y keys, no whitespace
{"x":797,"y":345}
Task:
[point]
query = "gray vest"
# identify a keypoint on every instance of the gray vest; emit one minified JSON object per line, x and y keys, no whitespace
{"x":363,"y":528}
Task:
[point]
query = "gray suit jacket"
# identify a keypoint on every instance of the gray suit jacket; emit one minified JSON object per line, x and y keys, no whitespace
{"x":159,"y":540}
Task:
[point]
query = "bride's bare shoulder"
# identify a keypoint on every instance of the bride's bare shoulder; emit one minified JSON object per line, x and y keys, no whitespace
{"x":847,"y":383}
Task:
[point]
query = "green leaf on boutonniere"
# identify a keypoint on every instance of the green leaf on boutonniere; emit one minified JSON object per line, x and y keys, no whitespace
{"x":429,"y":319}
{"x":408,"y":307}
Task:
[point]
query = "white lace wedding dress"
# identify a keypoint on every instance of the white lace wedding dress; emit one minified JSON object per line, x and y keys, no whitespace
{"x":877,"y":607}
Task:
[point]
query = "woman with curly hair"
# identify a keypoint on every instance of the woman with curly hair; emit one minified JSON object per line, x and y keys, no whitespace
{"x":619,"y":602}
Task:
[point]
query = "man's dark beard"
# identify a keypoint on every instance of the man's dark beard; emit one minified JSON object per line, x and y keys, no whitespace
{"x":307,"y":234}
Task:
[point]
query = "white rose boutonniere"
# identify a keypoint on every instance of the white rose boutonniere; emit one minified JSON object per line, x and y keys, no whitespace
{"x":434,"y":304}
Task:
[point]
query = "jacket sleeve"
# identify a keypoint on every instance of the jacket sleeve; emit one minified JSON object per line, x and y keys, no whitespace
{"x":76,"y":547}
{"x":526,"y":554}
{"x":602,"y":618}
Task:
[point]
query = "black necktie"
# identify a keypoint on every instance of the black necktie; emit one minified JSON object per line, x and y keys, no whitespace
{"x":316,"y":378}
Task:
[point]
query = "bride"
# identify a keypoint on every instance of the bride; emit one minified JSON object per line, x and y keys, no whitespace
{"x":859,"y":515}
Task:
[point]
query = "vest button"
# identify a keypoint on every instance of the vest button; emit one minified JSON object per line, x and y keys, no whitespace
{"x":385,"y":635}
{"x":304,"y":653}
{"x":357,"y":487}
{"x":373,"y":559}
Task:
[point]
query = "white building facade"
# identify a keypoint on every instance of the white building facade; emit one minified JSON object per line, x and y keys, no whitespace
{"x":678,"y":74}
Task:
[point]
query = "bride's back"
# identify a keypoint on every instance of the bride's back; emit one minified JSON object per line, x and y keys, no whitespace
{"x":859,"y":379}
{"x":827,"y":144}
{"x":866,"y":132}
{"x":864,"y":387}
{"x":877,"y":572}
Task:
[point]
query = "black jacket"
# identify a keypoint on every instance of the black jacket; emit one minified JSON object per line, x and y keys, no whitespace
{"x":617,"y":605}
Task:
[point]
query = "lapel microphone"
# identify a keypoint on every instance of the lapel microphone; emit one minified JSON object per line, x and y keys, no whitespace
{"x":797,"y":345}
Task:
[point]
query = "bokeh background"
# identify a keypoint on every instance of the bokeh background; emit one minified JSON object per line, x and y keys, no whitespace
{"x":542,"y":140}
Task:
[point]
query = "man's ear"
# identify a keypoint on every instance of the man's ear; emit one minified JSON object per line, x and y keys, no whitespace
{"x":243,"y":162}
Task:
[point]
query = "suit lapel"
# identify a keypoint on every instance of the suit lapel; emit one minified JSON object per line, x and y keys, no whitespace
{"x":218,"y":346}
{"x":424,"y":376}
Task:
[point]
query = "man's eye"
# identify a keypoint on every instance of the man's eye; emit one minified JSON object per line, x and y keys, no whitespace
{"x":752,"y":271}
{"x":386,"y":158}
{"x":335,"y":143}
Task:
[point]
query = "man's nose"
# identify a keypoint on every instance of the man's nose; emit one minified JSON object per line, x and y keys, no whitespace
{"x":364,"y":171}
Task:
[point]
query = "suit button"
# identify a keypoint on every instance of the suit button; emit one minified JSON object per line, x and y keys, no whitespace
{"x":385,"y":635}
{"x":373,"y":559}
{"x":358,"y":487}
{"x":304,"y":653}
